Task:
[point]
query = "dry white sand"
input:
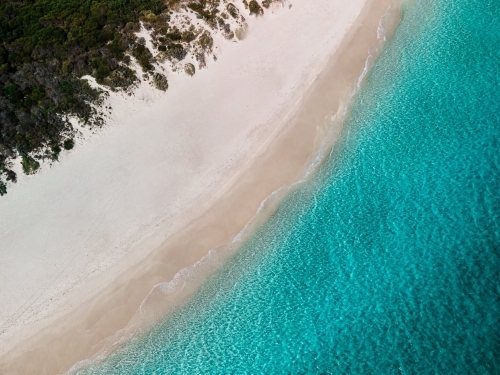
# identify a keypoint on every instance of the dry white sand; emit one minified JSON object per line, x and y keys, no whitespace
{"x":69,"y":231}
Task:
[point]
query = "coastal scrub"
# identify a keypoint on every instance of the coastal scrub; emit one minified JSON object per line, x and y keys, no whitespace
{"x":47,"y":46}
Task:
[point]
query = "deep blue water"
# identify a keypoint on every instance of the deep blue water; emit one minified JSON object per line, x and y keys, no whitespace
{"x":388,"y":260}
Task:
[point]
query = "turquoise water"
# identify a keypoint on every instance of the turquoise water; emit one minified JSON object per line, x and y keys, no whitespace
{"x":388,"y":260}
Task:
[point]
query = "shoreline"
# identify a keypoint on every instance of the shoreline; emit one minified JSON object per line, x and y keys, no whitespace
{"x":289,"y":152}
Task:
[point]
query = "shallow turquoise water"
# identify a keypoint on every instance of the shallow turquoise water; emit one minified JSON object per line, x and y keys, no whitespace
{"x":388,"y":260}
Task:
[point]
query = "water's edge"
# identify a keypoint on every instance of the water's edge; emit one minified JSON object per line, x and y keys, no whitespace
{"x":167,"y":297}
{"x":387,"y":260}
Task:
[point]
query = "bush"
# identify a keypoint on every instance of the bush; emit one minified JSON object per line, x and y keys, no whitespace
{"x":160,"y":81}
{"x":189,"y":69}
{"x":255,"y":8}
{"x":232,"y":10}
{"x":68,"y":144}
{"x":266,"y":3}
{"x":29,"y":164}
{"x":46,"y":46}
{"x":176,"y":51}
{"x":143,"y":56}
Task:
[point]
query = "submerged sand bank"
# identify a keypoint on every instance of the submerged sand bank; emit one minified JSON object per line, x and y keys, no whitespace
{"x":189,"y":173}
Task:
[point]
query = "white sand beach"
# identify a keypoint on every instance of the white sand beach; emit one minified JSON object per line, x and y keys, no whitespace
{"x":171,"y":176}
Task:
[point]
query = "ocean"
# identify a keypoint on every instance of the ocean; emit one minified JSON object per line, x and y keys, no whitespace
{"x":387,"y":259}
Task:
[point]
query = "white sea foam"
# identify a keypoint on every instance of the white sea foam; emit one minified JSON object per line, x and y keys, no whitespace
{"x":154,"y":308}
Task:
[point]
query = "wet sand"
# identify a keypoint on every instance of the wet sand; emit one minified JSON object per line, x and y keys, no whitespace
{"x":282,"y":160}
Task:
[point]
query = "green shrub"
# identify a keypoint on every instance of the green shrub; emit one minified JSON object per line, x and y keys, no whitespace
{"x":3,"y":188}
{"x":176,"y":51}
{"x":266,"y":3}
{"x":143,"y":56}
{"x":29,"y":165}
{"x":205,"y":10}
{"x":46,"y":46}
{"x":175,"y":36}
{"x":255,"y":8}
{"x":68,"y":144}
{"x":189,"y":69}
{"x":232,"y":10}
{"x":160,"y":81}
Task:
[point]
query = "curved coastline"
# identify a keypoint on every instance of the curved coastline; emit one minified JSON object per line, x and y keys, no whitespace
{"x":291,"y":150}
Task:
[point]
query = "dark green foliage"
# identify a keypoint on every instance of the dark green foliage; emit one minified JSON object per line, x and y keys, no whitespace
{"x":29,"y":164}
{"x":68,"y":144}
{"x":206,"y":41}
{"x":206,"y":10}
{"x":176,"y":51}
{"x":45,"y":47}
{"x":232,"y":10}
{"x":255,"y":8}
{"x":190,"y":69}
{"x":55,"y":150}
{"x":143,"y":56}
{"x":175,"y":36}
{"x":3,"y":188}
{"x":11,"y":175}
{"x":266,"y":3}
{"x":160,"y":81}
{"x":188,"y":37}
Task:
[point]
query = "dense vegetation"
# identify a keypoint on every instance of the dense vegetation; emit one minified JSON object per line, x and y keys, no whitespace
{"x":46,"y":46}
